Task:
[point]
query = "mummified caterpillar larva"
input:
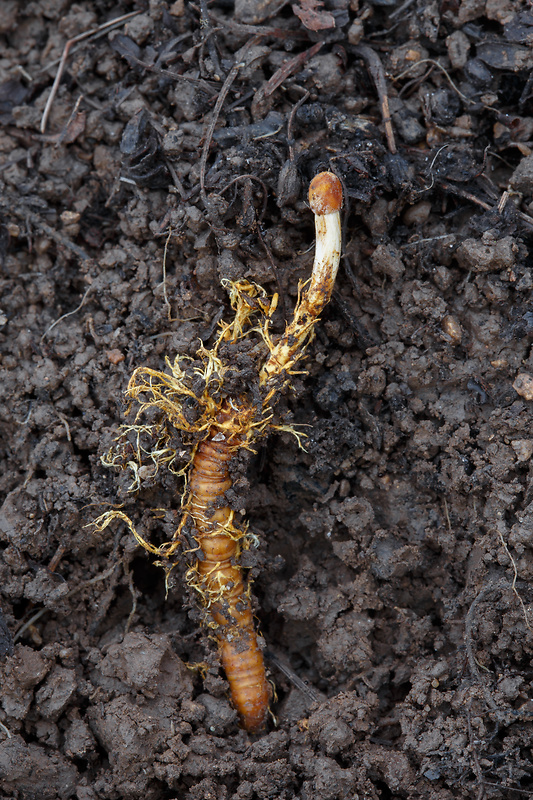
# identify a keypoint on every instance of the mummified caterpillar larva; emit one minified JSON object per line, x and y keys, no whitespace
{"x":220,"y":576}
{"x":222,"y":426}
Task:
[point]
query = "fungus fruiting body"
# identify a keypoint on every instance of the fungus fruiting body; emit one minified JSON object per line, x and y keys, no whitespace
{"x":223,"y":425}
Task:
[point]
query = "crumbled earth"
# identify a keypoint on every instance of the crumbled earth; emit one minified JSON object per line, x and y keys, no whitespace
{"x":392,"y":580}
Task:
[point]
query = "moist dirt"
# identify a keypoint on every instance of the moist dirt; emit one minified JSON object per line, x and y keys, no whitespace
{"x":392,"y":577}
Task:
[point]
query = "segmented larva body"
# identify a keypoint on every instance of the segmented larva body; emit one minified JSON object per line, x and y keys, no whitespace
{"x":218,"y":575}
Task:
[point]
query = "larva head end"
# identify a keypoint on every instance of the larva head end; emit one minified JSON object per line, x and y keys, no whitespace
{"x":325,"y":194}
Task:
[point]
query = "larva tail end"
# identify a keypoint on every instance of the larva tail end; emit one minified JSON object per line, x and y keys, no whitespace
{"x":243,"y":664}
{"x":325,"y":194}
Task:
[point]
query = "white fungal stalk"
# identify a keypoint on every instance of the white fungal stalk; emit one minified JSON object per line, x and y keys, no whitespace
{"x":325,"y":199}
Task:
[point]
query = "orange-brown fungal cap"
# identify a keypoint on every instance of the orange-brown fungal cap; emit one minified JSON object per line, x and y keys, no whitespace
{"x":325,"y":194}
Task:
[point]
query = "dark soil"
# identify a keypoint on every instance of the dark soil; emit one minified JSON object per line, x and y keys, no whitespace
{"x":393,"y":576}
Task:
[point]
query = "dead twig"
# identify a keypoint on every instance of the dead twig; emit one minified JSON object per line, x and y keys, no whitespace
{"x":428,"y":240}
{"x":167,"y":73}
{"x":295,"y":108}
{"x":227,"y":23}
{"x":64,"y":420}
{"x":430,"y":170}
{"x":291,"y":66}
{"x":232,"y":74}
{"x":375,"y":68}
{"x":312,"y":694}
{"x":501,"y":527}
{"x":95,"y":33}
{"x":6,"y":730}
{"x":24,"y":213}
{"x":209,"y":35}
{"x":401,"y":9}
{"x":503,"y":201}
{"x":38,"y":614}
{"x":61,"y":550}
{"x":177,"y":183}
{"x":453,"y":189}
{"x":457,"y":190}
{"x":68,"y":314}
{"x":501,"y":787}
{"x":410,"y":87}
{"x":101,"y":577}
{"x":60,"y":238}
{"x":439,"y":66}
